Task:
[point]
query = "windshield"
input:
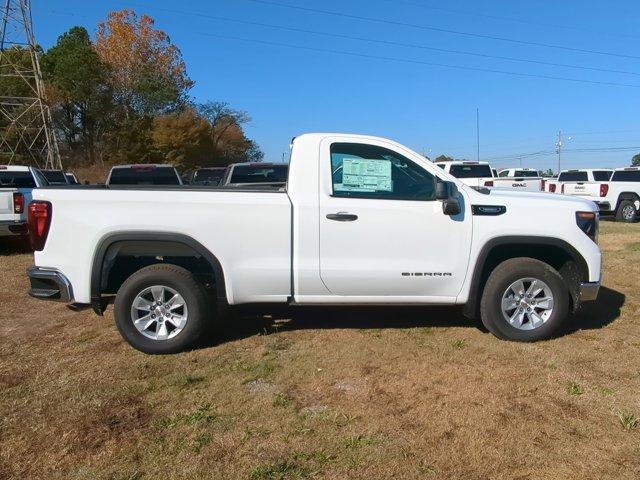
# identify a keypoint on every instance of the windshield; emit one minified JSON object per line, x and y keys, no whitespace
{"x":54,"y":176}
{"x":209,"y":175}
{"x":144,"y":176}
{"x":471,"y":171}
{"x":626,"y":176}
{"x":259,"y":174}
{"x":17,"y":180}
{"x":526,"y":173}
{"x":572,"y":177}
{"x":602,"y":175}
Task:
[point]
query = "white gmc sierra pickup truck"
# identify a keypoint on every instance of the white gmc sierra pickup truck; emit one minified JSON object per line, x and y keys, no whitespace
{"x":362,"y":220}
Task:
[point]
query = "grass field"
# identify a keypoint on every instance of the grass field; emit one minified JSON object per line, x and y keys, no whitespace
{"x":325,"y":394}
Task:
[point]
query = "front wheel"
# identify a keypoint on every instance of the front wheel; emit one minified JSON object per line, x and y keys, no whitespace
{"x":626,"y":212}
{"x":161,"y":309}
{"x":524,"y":300}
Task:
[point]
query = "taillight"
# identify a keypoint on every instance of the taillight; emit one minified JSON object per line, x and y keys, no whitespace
{"x":488,"y":183}
{"x":604,"y":189}
{"x":562,"y":188}
{"x":18,"y":203}
{"x":39,"y":222}
{"x":552,"y":188}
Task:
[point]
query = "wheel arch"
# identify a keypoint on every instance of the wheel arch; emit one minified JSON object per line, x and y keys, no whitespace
{"x":558,"y":253}
{"x":633,"y":196}
{"x":147,"y":244}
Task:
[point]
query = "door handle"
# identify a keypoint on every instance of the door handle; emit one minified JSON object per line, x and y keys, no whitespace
{"x":342,"y":217}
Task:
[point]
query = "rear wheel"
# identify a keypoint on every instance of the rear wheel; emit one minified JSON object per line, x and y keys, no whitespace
{"x":161,"y":309}
{"x":626,"y":212}
{"x":524,"y":300}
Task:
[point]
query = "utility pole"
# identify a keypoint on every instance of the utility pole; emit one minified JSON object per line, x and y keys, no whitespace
{"x":559,"y":148}
{"x":26,"y":127}
{"x":478,"y":132}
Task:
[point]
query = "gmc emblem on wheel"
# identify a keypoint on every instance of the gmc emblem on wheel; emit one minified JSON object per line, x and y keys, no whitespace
{"x":427,"y":274}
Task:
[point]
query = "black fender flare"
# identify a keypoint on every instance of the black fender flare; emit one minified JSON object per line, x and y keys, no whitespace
{"x":99,"y":304}
{"x":471,"y":307}
{"x":626,"y":196}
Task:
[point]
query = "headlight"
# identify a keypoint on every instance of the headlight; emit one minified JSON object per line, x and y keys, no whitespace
{"x":588,"y":223}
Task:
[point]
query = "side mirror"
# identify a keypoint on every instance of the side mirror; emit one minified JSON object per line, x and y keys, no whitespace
{"x":448,"y":193}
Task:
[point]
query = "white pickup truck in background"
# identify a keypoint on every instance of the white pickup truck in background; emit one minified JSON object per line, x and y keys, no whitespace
{"x":520,"y":179}
{"x":362,"y":221}
{"x":619,"y":196}
{"x":474,"y":174}
{"x":144,"y":174}
{"x":480,"y":174}
{"x":577,"y":177}
{"x":16,"y":185}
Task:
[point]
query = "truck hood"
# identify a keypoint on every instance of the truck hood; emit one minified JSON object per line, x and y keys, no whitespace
{"x":519,"y":197}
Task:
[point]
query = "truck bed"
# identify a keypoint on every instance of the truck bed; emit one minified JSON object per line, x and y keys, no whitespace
{"x":250,"y":233}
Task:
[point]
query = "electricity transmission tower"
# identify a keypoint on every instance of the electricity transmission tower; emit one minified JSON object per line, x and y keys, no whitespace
{"x":26,"y":133}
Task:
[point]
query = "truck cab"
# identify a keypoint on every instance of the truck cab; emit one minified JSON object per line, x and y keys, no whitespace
{"x":474,"y":174}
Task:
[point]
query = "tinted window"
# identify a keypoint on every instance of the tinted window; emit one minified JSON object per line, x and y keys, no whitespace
{"x":368,"y":171}
{"x":209,"y":175}
{"x":144,"y":176}
{"x":71,"y":179}
{"x":259,"y":174}
{"x":470,"y":171}
{"x":526,"y":173}
{"x":626,"y":176}
{"x":54,"y":176}
{"x":602,"y":175}
{"x":16,"y":180}
{"x":572,"y":177}
{"x":504,"y":173}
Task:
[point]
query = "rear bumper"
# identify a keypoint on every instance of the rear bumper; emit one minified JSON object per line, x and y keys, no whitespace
{"x":12,"y":227}
{"x":49,"y":284}
{"x":588,"y":291}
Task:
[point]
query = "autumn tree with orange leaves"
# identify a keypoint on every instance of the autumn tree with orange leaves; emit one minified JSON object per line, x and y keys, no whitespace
{"x":123,"y":98}
{"x":146,"y":71}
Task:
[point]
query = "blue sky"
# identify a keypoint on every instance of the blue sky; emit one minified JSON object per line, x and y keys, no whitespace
{"x":289,"y":90}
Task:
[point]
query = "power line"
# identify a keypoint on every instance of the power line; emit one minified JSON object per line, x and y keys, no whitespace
{"x":420,"y":62}
{"x":510,"y":19}
{"x":391,"y":43}
{"x":441,"y":30}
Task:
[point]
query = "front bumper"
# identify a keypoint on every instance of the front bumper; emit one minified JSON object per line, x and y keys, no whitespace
{"x":588,"y":291}
{"x":10,"y":228}
{"x":49,"y":284}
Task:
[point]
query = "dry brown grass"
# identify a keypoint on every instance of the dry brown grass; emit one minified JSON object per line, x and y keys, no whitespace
{"x":331,"y":394}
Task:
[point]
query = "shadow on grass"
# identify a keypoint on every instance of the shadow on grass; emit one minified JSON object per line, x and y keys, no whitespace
{"x":14,"y":246}
{"x":597,"y":314}
{"x":246,"y":322}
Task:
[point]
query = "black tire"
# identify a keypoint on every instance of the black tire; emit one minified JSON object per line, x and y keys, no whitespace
{"x":178,"y":279}
{"x":622,"y":214}
{"x":501,"y":278}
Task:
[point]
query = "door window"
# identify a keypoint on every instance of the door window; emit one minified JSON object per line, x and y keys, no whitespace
{"x":368,"y":171}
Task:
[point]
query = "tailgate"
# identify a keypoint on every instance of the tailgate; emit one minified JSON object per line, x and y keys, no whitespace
{"x":526,"y":184}
{"x":6,"y":205}
{"x":582,"y":189}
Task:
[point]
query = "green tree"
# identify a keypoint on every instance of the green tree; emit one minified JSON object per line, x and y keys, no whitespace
{"x":635,"y":161}
{"x":443,"y":158}
{"x":81,"y":99}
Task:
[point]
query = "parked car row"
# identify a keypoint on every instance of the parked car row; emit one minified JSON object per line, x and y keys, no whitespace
{"x":615,"y":191}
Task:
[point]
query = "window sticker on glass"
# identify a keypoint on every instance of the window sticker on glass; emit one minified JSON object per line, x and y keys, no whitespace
{"x":365,"y":175}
